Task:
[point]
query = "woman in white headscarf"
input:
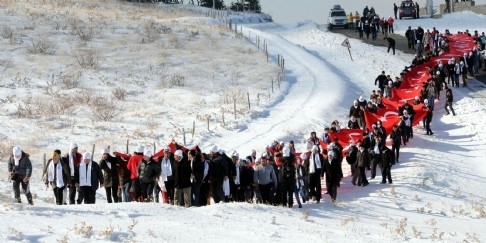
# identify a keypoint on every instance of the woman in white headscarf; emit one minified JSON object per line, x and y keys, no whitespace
{"x":20,"y":171}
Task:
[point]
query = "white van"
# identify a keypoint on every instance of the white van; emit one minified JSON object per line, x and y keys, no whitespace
{"x":337,"y":18}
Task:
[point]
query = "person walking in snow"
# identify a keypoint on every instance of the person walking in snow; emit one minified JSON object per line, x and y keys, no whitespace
{"x":20,"y":171}
{"x":333,"y":178}
{"x":395,"y":137}
{"x":391,"y":44}
{"x":88,"y":177}
{"x":387,"y":160}
{"x":218,"y":172}
{"x":314,"y":167}
{"x":428,"y":119}
{"x":132,"y":166}
{"x":265,"y":179}
{"x":182,"y":178}
{"x":395,"y":10}
{"x":73,"y":158}
{"x":288,"y":178}
{"x":57,"y":175}
{"x":449,"y":100}
{"x":362,"y":161}
{"x":148,"y":172}
{"x":111,"y":182}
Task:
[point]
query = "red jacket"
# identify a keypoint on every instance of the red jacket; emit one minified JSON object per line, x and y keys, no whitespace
{"x":132,"y":165}
{"x":390,"y":21}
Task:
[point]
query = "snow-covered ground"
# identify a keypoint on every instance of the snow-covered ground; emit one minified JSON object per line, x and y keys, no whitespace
{"x":439,"y":185}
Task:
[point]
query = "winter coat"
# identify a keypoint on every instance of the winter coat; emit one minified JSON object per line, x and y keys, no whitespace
{"x":132,"y":165}
{"x":218,"y":168}
{"x":197,"y":169}
{"x":96,"y":175}
{"x":352,"y":155}
{"x":333,"y":175}
{"x":24,"y":169}
{"x":66,"y":174}
{"x":353,"y":124}
{"x":354,"y":111}
{"x":449,"y":96}
{"x":246,"y":176}
{"x":148,"y":171}
{"x":287,"y":172}
{"x":395,"y":137}
{"x":110,"y":175}
{"x":362,"y":158}
{"x":381,"y":80}
{"x":387,"y":158}
{"x":182,"y":173}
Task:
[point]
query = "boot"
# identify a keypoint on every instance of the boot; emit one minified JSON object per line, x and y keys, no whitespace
{"x":17,"y":200}
{"x":31,"y":202}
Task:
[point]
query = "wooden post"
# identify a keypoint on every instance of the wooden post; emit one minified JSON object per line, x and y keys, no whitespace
{"x":272,"y":85}
{"x":208,"y":121}
{"x":92,"y":151}
{"x":249,"y":35}
{"x":266,"y":52}
{"x":184,"y":135}
{"x":45,"y":160}
{"x":248,"y":95}
{"x":278,"y":59}
{"x":234,"y":107}
{"x":127,"y":146}
{"x":222,"y":112}
{"x":193,"y":128}
{"x":155,"y":148}
{"x":283,"y":64}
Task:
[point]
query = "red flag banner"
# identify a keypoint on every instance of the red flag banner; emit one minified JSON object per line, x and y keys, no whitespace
{"x":344,"y":136}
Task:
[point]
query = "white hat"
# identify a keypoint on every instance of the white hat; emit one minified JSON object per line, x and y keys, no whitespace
{"x":426,"y":101}
{"x":235,"y":154}
{"x":214,"y":149}
{"x":438,"y":72}
{"x":303,"y":156}
{"x":286,"y":152}
{"x":361,"y":99}
{"x":418,"y":41}
{"x":17,"y":151}
{"x":390,"y":82}
{"x":331,"y":154}
{"x":405,"y":112}
{"x":139,"y":149}
{"x":264,"y":155}
{"x":178,"y":153}
{"x":253,"y":150}
{"x":73,"y":145}
{"x":87,"y":155}
{"x":105,"y":151}
{"x":281,"y":143}
{"x":351,"y":142}
{"x":167,"y":148}
{"x":148,"y":153}
{"x":355,"y":102}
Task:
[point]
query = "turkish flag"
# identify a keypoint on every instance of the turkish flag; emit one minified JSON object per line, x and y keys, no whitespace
{"x":344,"y":136}
{"x":404,"y":95}
{"x":388,"y":118}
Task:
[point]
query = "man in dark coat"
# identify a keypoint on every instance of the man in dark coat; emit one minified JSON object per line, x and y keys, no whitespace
{"x":387,"y":160}
{"x":57,"y":174}
{"x":391,"y":44}
{"x":20,"y":171}
{"x":218,"y":172}
{"x":314,"y":165}
{"x":88,"y":177}
{"x":197,"y":176}
{"x":362,"y":160}
{"x":182,"y":179}
{"x":395,"y":137}
{"x":382,"y":81}
{"x":288,"y":178}
{"x":333,"y":177}
{"x":73,"y":159}
{"x":148,"y":172}
{"x":395,"y":10}
{"x":449,"y":100}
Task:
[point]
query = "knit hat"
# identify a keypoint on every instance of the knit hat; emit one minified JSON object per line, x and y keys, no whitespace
{"x":167,"y":149}
{"x":286,"y":152}
{"x":361,"y":99}
{"x":148,"y":153}
{"x":235,"y":154}
{"x":86,"y":155}
{"x":139,"y":149}
{"x":178,"y":153}
{"x":17,"y":151}
{"x":264,"y":155}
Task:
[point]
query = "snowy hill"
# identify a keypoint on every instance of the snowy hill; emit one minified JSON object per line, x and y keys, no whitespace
{"x":439,"y":185}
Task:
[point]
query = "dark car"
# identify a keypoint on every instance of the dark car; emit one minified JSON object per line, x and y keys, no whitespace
{"x":408,"y":10}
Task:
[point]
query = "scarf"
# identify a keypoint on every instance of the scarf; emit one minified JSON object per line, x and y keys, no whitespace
{"x":315,"y":163}
{"x":108,"y":163}
{"x":85,"y":174}
{"x":166,"y":169}
{"x":55,"y":174}
{"x":71,"y":163}
{"x":237,"y":178}
{"x":206,"y":169}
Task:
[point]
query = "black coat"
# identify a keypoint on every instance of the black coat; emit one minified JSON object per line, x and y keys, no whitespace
{"x":182,"y":173}
{"x":66,"y":174}
{"x":246,"y":176}
{"x":395,"y":137}
{"x":197,"y":169}
{"x":110,"y":175}
{"x":148,"y":171}
{"x":96,"y":175}
{"x":352,"y":155}
{"x":287,"y":172}
{"x":332,"y":171}
{"x":218,"y":168}
{"x":387,"y":158}
{"x":449,"y":96}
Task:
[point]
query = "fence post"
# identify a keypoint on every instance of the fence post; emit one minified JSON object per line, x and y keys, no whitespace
{"x":45,"y":160}
{"x":278,"y":59}
{"x":208,"y":121}
{"x":92,"y":151}
{"x":155,"y":148}
{"x":127,"y":145}
{"x":184,"y":135}
{"x":248,"y":95}
{"x":272,"y":85}
{"x":193,"y":128}
{"x":222,"y":112}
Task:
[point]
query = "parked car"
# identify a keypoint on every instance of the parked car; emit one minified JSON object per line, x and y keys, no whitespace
{"x":407,"y":10}
{"x":337,"y":18}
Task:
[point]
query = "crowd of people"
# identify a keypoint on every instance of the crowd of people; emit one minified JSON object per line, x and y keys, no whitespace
{"x":189,"y":177}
